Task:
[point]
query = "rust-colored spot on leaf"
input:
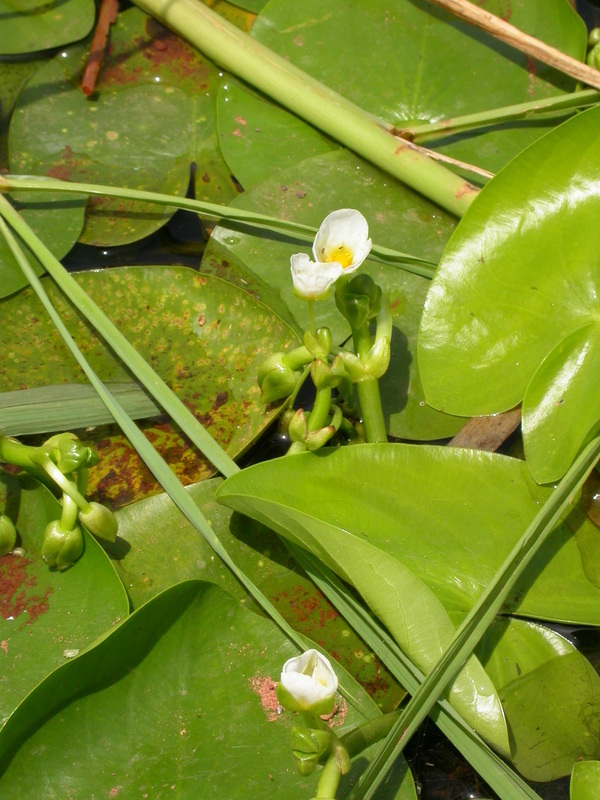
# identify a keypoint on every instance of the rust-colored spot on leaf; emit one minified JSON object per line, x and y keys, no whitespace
{"x":16,"y":595}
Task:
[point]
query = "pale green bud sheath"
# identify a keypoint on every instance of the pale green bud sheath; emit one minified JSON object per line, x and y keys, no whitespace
{"x":8,"y":534}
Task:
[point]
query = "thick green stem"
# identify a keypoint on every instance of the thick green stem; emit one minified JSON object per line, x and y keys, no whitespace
{"x":70,"y":510}
{"x":311,"y":100}
{"x":329,"y":780}
{"x":64,"y":484}
{"x":367,"y":389}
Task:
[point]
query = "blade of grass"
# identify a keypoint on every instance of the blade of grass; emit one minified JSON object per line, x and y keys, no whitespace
{"x":477,"y":621}
{"x":247,"y":219}
{"x":69,"y":406}
{"x":500,"y":777}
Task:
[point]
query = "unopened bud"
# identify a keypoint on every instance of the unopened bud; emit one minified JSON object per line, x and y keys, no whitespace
{"x":100,"y":521}
{"x":8,"y":535}
{"x":60,"y":547}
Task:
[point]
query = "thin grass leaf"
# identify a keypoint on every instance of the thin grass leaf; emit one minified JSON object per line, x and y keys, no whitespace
{"x":247,"y":219}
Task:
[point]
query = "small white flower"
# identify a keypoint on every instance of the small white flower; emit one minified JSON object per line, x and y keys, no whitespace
{"x":343,"y":238}
{"x":313,"y":280}
{"x":309,"y":683}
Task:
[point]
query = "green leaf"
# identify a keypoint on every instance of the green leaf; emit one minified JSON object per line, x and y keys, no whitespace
{"x":200,"y":723}
{"x":396,"y":215}
{"x":150,"y":118}
{"x":561,"y":407}
{"x":196,"y":331}
{"x":550,"y":694}
{"x":415,"y":62}
{"x":32,"y":25}
{"x":47,"y":616}
{"x":450,"y":515}
{"x":395,"y":593}
{"x":55,"y":219}
{"x":157,"y":548}
{"x":517,"y":279}
{"x":585,"y":780}
{"x":258,"y":138}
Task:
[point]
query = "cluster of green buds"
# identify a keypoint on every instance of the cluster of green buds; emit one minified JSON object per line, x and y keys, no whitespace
{"x":62,"y":463}
{"x":341,"y":245}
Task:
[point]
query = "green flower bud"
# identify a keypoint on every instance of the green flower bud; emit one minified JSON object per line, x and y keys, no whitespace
{"x":378,"y":358}
{"x":594,"y":37}
{"x":308,"y":747}
{"x":100,"y":521}
{"x":298,"y":426}
{"x":319,"y":438}
{"x":8,"y":535}
{"x":69,"y":454}
{"x":359,"y":300}
{"x":318,"y":344}
{"x":321,"y":374}
{"x":276,"y":379}
{"x":61,"y":548}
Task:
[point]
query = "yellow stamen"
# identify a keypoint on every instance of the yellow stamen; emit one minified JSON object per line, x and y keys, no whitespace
{"x":342,"y":254}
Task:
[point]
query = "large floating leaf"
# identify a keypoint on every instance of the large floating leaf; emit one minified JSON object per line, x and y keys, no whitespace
{"x":157,"y":547}
{"x":518,"y":286}
{"x":47,"y":615}
{"x":32,"y":25}
{"x":258,"y":138}
{"x":550,"y":694}
{"x":177,"y":699}
{"x":450,"y":515}
{"x":205,"y":338}
{"x":397,"y":217}
{"x":411,"y":61}
{"x":151,"y":116}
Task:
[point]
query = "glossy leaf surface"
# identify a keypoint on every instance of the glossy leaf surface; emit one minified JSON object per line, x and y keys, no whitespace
{"x":513,"y":289}
{"x":205,"y":338}
{"x":585,"y":780}
{"x":47,"y":615}
{"x":450,"y":515}
{"x":151,"y":116}
{"x":196,"y":693}
{"x":397,"y":217}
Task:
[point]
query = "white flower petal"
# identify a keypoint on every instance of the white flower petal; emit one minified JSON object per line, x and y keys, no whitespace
{"x":344,"y":237}
{"x":313,"y":280}
{"x":309,"y":678}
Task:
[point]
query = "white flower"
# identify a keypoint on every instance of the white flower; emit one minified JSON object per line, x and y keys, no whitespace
{"x":343,"y":238}
{"x":312,"y":280}
{"x":308,"y":683}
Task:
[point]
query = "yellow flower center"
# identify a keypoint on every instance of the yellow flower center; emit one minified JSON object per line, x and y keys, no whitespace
{"x":342,"y":254}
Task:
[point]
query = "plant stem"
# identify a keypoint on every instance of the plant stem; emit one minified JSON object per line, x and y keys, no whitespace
{"x":495,"y":116}
{"x":251,"y":219}
{"x":311,"y":100}
{"x":367,"y":390}
{"x":477,"y":621}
